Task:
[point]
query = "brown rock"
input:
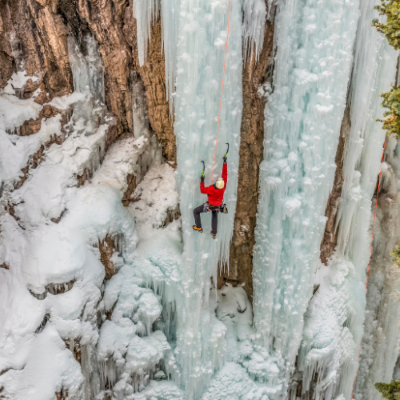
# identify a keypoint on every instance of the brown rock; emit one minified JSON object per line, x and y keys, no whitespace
{"x":250,"y":157}
{"x":33,"y":126}
{"x":30,"y":127}
{"x":104,"y":20}
{"x":107,"y":248}
{"x":30,"y":88}
{"x":59,"y":288}
{"x":6,"y":59}
{"x":6,"y":69}
{"x":329,"y":240}
{"x":81,"y":179}
{"x":62,"y":395}
{"x":126,"y":198}
{"x":75,"y":346}
{"x":36,"y":159}
{"x":153,"y":76}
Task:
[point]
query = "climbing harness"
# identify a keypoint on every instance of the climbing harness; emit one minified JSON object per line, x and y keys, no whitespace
{"x":207,"y":207}
{"x":222,"y":90}
{"x":370,"y":252}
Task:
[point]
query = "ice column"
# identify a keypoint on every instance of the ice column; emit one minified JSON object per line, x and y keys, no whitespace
{"x":314,"y":41}
{"x":331,"y":349}
{"x":200,"y":61}
{"x":254,"y":16}
{"x":87,"y":71}
{"x":146,"y":12}
{"x":194,"y":35}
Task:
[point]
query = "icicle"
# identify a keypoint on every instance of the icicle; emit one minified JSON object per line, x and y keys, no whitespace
{"x":146,"y":13}
{"x":200,"y":61}
{"x":254,"y":16}
{"x":374,"y":67}
{"x":95,"y":68}
{"x":17,"y":52}
{"x":87,"y":72}
{"x":303,"y":118}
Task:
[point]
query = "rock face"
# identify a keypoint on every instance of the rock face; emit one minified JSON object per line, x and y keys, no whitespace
{"x":45,"y":25}
{"x":41,"y":38}
{"x":34,"y":36}
{"x":6,"y":59}
{"x":329,"y":240}
{"x":153,"y":75}
{"x":250,"y":157}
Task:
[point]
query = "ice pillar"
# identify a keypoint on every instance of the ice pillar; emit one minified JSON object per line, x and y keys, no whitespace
{"x":200,"y":63}
{"x":334,"y":320}
{"x":314,"y":42}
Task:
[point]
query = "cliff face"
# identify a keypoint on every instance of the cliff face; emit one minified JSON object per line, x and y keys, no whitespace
{"x":40,"y":42}
{"x":114,"y":165}
{"x":250,"y":157}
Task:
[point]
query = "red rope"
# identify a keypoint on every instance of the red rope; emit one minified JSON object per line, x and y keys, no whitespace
{"x":222,"y":89}
{"x":370,"y":252}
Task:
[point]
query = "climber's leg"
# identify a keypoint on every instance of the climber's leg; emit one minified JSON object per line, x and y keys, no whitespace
{"x":197,"y":218}
{"x":214,"y":223}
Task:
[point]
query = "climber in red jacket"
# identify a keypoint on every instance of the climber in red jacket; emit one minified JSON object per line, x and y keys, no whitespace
{"x":215,"y":197}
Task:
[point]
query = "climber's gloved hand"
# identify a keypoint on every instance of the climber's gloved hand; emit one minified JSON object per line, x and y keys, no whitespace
{"x":202,"y":178}
{"x":224,"y":158}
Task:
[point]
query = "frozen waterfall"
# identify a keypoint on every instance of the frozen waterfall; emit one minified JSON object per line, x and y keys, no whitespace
{"x":314,"y":41}
{"x":106,"y":291}
{"x":335,"y":317}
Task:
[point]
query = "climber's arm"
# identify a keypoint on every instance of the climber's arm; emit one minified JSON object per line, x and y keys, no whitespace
{"x":204,"y":189}
{"x":225,"y":172}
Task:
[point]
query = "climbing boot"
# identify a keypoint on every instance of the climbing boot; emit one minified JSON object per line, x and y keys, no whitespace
{"x":214,"y":235}
{"x":195,"y":228}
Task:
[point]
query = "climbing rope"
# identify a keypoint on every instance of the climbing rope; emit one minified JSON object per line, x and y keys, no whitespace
{"x":222,"y":90}
{"x":370,"y":252}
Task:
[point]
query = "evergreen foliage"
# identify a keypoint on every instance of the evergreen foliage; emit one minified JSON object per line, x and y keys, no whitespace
{"x":390,"y":391}
{"x":396,"y":255}
{"x":391,"y":29}
{"x":391,"y":120}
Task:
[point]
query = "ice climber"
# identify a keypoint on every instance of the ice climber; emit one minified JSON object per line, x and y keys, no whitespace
{"x":214,"y":204}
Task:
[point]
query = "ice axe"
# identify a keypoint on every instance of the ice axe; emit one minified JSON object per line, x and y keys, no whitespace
{"x":204,"y":167}
{"x":227,"y":151}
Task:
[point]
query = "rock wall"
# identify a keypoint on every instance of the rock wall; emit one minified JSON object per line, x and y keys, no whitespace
{"x":329,"y":240}
{"x":34,"y":36}
{"x":250,"y":157}
{"x":45,"y":25}
{"x":153,"y":75}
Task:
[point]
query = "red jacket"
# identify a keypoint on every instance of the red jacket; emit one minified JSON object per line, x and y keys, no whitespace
{"x":215,"y":196}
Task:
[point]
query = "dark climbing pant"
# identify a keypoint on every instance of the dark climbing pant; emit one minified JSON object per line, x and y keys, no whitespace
{"x":214,"y":219}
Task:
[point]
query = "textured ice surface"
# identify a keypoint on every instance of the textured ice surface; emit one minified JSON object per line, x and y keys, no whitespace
{"x":335,"y":361}
{"x":202,"y":25}
{"x":314,"y":42}
{"x":88,"y":71}
{"x":379,"y":350}
{"x":254,"y":16}
{"x":188,"y":27}
{"x":233,"y":383}
{"x":328,"y":345}
{"x":173,"y":21}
